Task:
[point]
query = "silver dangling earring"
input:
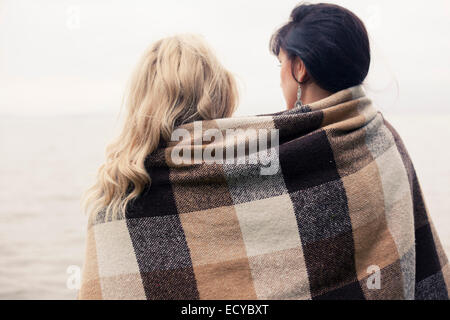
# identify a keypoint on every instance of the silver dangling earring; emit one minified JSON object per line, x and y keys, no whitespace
{"x":298,"y":103}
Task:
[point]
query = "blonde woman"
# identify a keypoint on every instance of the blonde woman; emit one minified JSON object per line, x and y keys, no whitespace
{"x":178,"y":80}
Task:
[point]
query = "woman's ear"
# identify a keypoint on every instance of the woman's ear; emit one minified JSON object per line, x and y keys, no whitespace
{"x":300,"y":70}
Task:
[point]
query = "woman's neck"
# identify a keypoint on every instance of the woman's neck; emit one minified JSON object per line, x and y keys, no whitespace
{"x":312,"y":93}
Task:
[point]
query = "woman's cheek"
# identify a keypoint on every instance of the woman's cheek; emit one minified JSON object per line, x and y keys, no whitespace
{"x":284,"y":83}
{"x":290,"y":92}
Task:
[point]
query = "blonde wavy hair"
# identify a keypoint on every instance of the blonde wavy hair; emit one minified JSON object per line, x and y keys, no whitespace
{"x":177,"y":80}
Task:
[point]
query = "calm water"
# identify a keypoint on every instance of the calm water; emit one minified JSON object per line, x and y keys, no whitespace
{"x":47,"y":162}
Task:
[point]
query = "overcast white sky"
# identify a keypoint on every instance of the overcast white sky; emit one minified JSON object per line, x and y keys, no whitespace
{"x":68,"y":57}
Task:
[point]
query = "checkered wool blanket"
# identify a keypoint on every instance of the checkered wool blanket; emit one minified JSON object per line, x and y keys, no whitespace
{"x":341,"y":216}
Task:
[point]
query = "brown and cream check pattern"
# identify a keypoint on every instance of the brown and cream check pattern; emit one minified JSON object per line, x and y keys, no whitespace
{"x":346,"y":197}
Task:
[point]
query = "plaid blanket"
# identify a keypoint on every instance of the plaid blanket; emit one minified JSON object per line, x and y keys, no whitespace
{"x":340,"y":215}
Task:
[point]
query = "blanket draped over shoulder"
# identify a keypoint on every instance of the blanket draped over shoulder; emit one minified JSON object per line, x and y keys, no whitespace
{"x":326,"y":206}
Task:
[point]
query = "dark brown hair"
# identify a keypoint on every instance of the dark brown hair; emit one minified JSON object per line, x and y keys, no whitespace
{"x":331,"y":41}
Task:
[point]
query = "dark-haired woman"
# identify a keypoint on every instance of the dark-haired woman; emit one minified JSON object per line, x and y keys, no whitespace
{"x":323,"y":49}
{"x":378,"y":247}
